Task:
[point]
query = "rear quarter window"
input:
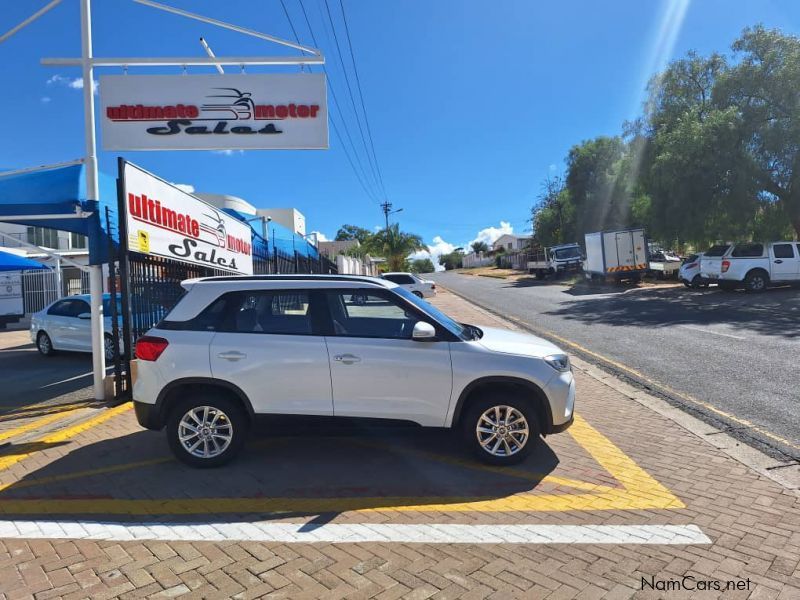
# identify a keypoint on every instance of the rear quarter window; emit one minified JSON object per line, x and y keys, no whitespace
{"x":748,"y":251}
{"x":717,"y":250}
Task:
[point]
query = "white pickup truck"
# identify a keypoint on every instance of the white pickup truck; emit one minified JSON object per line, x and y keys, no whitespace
{"x":753,"y":265}
{"x":555,"y":260}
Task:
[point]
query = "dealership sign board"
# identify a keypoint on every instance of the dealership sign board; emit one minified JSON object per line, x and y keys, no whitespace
{"x":214,"y":112}
{"x":165,"y":221}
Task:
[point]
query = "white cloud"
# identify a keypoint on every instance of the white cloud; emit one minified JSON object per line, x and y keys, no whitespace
{"x":185,"y":187}
{"x":321,"y":237}
{"x":75,"y":84}
{"x":45,"y":99}
{"x":490,"y":234}
{"x":227,"y":152}
{"x":434,"y":251}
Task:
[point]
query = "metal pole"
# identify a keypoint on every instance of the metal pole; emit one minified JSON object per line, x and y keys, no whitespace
{"x":210,"y":53}
{"x":92,"y":193}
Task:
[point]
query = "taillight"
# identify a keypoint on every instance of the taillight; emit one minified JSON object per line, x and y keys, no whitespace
{"x":726,"y":264}
{"x":433,"y":286}
{"x":691,"y":265}
{"x":150,"y":348}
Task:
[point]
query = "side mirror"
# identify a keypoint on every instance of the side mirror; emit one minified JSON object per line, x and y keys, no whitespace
{"x":423,"y":331}
{"x":85,"y":316}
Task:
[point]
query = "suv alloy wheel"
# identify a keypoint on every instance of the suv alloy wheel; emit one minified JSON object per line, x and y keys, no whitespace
{"x":206,"y":430}
{"x":501,"y":430}
{"x":756,"y":281}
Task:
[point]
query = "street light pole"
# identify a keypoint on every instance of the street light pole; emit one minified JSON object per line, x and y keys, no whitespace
{"x":92,"y":193}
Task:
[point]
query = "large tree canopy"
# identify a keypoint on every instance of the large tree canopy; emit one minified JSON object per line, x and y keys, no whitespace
{"x":715,"y":157}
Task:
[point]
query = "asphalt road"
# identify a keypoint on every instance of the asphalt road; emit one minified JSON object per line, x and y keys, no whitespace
{"x":737,"y":352}
{"x":28,"y":378}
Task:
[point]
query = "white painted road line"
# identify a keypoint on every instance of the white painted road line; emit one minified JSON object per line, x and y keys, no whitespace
{"x":343,"y":533}
{"x":703,"y":330}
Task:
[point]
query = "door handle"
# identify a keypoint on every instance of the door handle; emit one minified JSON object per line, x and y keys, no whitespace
{"x":779,"y":261}
{"x":233,"y":355}
{"x":347,"y":359}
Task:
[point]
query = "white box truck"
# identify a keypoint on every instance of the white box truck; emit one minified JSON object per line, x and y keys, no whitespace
{"x":619,"y":254}
{"x":11,"y":301}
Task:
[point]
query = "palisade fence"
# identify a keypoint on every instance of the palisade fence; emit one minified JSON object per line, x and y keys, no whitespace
{"x":40,"y":288}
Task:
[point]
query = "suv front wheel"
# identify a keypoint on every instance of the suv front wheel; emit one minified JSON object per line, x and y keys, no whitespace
{"x":206,"y":430}
{"x":501,"y":430}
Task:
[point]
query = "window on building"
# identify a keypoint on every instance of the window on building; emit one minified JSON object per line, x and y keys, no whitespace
{"x":77,"y":241}
{"x":42,"y":236}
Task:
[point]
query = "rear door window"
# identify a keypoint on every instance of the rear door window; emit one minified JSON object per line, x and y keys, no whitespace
{"x":748,"y":251}
{"x":400,"y":279}
{"x":286,"y":312}
{"x":783,"y":250}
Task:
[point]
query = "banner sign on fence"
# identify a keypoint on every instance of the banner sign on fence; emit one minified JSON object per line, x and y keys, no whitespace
{"x":213,"y":112}
{"x":163,"y":220}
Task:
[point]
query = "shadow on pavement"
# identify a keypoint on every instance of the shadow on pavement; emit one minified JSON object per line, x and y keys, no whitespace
{"x":775,"y":312}
{"x":318,"y":474}
{"x":28,"y":378}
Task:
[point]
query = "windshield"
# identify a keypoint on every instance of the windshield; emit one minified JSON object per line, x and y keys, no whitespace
{"x":426,"y":307}
{"x":564,"y":253}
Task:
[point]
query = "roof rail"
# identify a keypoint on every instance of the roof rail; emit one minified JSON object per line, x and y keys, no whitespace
{"x":290,"y":277}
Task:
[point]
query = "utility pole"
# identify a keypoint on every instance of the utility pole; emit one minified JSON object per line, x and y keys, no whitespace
{"x":387,"y":207}
{"x":387,"y":210}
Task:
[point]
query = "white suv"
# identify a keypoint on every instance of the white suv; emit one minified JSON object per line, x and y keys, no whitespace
{"x":422,"y":288}
{"x":237,"y":348}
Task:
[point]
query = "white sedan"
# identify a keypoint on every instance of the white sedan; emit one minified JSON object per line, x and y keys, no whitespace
{"x":65,"y":325}
{"x":413,"y":283}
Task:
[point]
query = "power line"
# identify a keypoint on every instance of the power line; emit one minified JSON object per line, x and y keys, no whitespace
{"x":352,"y":98}
{"x":361,"y":96}
{"x":361,"y":177}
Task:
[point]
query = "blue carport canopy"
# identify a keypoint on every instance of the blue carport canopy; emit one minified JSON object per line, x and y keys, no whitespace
{"x":51,"y":197}
{"x":12,"y":262}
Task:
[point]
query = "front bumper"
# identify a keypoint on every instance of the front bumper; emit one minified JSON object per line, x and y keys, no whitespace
{"x":561,"y":394}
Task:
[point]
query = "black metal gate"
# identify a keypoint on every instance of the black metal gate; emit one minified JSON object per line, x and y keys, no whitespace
{"x":149,"y":286}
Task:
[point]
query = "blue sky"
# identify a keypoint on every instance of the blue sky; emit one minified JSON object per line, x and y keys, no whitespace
{"x":472,"y":103}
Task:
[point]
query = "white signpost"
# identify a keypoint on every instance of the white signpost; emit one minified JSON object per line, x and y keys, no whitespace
{"x":165,"y":221}
{"x":209,"y":112}
{"x":88,"y":62}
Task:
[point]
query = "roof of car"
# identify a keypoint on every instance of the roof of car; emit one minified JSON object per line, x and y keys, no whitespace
{"x":330,"y":279}
{"x":397,"y":273}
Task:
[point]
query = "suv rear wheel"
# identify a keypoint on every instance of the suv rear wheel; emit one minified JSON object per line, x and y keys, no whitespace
{"x":206,"y":430}
{"x":756,"y":281}
{"x":501,"y":431}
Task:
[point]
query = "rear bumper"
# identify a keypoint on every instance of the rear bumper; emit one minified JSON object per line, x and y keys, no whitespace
{"x":147,"y":415}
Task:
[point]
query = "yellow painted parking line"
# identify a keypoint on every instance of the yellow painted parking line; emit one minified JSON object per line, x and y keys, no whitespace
{"x":87,"y":473}
{"x":638,"y":491}
{"x":64,"y":412}
{"x":63,"y":435}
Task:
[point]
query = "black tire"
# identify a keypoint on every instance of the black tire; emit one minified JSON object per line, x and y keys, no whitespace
{"x":44,"y":344}
{"x":473,"y":417}
{"x":108,"y":347}
{"x":418,"y":294}
{"x":697,"y":281}
{"x":756,"y":281}
{"x":232,"y":417}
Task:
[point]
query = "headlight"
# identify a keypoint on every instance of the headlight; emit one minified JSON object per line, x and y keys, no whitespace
{"x":560,"y":362}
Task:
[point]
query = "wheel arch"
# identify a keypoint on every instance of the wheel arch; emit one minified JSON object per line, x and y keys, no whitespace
{"x":529,"y":388}
{"x":757,"y":270}
{"x":165,"y":397}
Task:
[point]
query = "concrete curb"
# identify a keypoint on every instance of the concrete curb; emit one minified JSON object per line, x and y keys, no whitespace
{"x":785,"y":474}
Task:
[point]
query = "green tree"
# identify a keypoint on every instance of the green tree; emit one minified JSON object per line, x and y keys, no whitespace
{"x":763,"y":88}
{"x":452,"y":260}
{"x":479,"y":246}
{"x":353,"y":232}
{"x":421,"y":265}
{"x":394,"y":245}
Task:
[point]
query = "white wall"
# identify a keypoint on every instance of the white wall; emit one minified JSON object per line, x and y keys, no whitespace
{"x":480,"y":259}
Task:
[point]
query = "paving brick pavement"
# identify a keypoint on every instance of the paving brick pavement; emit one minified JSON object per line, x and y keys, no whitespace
{"x":622,"y":466}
